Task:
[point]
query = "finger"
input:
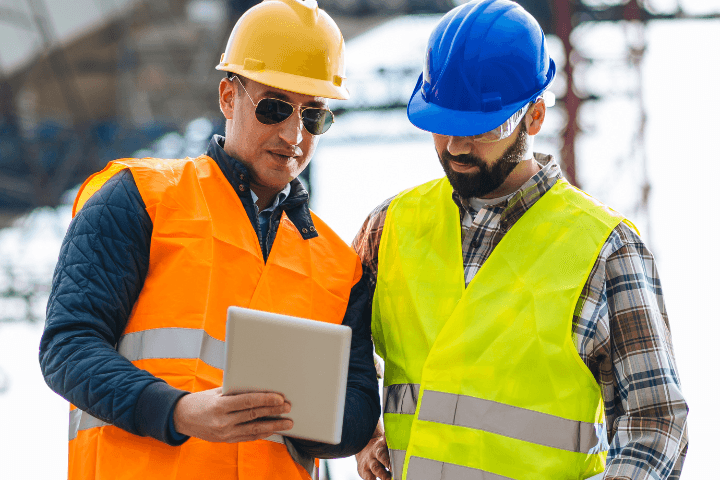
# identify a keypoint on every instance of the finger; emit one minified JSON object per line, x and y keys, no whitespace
{"x":366,"y":474}
{"x":252,"y":414}
{"x":245,"y":401}
{"x":383,"y":457}
{"x":251,"y":438}
{"x":263,"y":426}
{"x":258,"y":430}
{"x":379,"y":471}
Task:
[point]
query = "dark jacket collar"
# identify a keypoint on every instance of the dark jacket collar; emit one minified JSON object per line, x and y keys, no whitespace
{"x":296,"y":205}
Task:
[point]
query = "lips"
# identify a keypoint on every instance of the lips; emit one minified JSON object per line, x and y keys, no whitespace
{"x":282,"y":158}
{"x":286,"y":154}
{"x":462,"y":167}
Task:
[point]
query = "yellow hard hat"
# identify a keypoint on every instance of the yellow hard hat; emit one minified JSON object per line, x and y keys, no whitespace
{"x":289,"y":44}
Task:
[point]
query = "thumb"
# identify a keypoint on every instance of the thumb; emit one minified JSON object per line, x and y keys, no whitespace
{"x":383,"y":455}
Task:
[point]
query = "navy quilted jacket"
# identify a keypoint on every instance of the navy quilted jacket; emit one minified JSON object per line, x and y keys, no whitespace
{"x":100,"y":272}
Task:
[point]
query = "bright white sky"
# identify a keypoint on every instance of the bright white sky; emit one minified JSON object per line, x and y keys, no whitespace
{"x":351,"y":177}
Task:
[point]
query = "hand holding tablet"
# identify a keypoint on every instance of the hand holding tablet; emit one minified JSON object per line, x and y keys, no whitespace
{"x":212,"y":417}
{"x":304,"y":360}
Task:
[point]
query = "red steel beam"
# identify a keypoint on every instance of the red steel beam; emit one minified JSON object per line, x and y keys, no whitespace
{"x":562,"y":14}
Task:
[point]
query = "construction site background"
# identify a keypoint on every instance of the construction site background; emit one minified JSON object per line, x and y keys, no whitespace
{"x":85,"y":81}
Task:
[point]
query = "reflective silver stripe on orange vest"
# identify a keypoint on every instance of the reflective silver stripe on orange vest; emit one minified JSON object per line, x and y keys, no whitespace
{"x":513,"y":422}
{"x":80,"y":420}
{"x":397,"y":461}
{"x":401,"y":398}
{"x":176,"y":343}
{"x":173,"y":343}
{"x":426,"y":469}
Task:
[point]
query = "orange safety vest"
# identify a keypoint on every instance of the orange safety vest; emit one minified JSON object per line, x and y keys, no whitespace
{"x":204,"y":257}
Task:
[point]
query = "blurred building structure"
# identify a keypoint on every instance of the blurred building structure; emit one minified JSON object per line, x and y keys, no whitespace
{"x":142,"y":68}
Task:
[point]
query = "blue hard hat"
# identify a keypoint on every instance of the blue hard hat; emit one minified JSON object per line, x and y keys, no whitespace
{"x":484,"y":62}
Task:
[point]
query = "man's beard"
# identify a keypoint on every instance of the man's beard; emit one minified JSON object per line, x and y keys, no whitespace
{"x":487,"y":179}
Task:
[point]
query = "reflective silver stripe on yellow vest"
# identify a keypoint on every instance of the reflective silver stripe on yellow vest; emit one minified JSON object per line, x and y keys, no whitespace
{"x":514,"y":422}
{"x":397,"y":461}
{"x":426,"y":469}
{"x":489,"y":416}
{"x":401,"y":398}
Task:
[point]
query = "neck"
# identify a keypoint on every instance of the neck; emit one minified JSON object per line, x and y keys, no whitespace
{"x":520,"y":174}
{"x":265,"y":195}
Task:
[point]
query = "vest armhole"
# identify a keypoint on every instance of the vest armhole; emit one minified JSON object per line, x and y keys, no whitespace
{"x":95,"y":183}
{"x":358,"y":271}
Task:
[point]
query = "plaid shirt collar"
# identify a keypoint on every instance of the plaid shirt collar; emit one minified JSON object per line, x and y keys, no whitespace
{"x":525,"y":197}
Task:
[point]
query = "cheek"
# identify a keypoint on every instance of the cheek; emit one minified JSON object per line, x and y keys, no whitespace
{"x":441,"y":143}
{"x":308,"y":146}
{"x":491,"y":152}
{"x":252,"y":135}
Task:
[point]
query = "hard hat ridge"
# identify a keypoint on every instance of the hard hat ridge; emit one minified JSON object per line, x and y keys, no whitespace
{"x":484,"y":61}
{"x":307,"y":10}
{"x":289,"y":44}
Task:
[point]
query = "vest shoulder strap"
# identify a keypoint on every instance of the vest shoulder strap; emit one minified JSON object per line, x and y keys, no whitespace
{"x":337,"y":245}
{"x":152,"y":175}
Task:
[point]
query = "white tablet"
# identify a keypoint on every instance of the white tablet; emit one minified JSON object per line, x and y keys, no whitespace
{"x":305,"y":360}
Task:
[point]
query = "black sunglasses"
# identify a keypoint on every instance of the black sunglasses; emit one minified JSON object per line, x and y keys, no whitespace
{"x":270,"y":111}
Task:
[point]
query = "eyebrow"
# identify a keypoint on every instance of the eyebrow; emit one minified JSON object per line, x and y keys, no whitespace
{"x":282,"y":96}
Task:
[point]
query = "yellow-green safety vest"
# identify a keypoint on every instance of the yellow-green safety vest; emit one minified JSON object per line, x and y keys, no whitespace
{"x":485,"y":382}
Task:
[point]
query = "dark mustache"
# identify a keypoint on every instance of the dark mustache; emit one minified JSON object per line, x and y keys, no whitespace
{"x":465,"y":158}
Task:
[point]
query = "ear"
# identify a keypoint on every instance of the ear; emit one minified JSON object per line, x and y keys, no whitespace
{"x":227,"y":95}
{"x":536,"y":116}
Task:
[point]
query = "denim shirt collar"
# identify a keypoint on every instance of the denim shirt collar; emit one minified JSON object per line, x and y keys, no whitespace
{"x":279,"y":198}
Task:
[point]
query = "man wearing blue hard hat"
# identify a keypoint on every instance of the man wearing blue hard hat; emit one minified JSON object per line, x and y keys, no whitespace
{"x":521,"y":322}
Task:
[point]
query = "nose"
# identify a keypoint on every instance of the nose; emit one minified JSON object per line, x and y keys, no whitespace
{"x":459,"y":145}
{"x":291,"y":130}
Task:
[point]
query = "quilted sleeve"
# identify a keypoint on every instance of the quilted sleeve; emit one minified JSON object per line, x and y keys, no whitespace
{"x":100,"y":271}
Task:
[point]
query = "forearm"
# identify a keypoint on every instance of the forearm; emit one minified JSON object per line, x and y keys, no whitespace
{"x":101,"y":269}
{"x":648,"y":447}
{"x":645,"y":406}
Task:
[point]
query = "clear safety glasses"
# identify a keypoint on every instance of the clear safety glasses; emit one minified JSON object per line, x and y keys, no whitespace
{"x":270,"y":111}
{"x":506,"y":129}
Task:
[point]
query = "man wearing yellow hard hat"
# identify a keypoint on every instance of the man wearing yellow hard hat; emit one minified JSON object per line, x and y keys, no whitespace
{"x":159,"y":249}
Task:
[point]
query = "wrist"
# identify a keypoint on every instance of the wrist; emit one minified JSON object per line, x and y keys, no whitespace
{"x":379,"y":430}
{"x":178,"y":416}
{"x":155,"y":410}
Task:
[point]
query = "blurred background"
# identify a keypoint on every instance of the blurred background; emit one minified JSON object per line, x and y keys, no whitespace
{"x":83,"y":82}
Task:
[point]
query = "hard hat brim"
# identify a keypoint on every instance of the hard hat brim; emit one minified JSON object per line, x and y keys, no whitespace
{"x":458,"y":123}
{"x":292,"y":83}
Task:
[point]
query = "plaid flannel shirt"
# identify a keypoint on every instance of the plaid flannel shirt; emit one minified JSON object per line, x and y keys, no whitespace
{"x":620,"y":328}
